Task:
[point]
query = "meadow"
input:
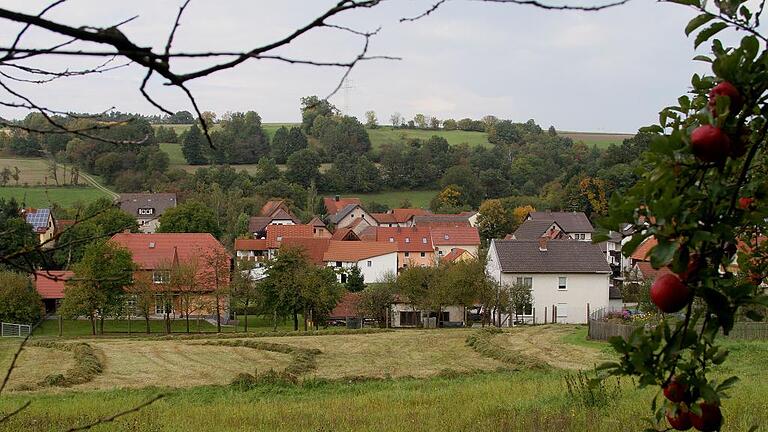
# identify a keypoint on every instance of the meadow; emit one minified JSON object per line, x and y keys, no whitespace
{"x":415,"y":380}
{"x":45,"y":196}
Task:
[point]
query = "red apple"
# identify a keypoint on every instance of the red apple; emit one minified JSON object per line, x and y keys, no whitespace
{"x":710,"y":419}
{"x":675,"y":391}
{"x":746,"y":202}
{"x":680,"y":421}
{"x":725,"y":89}
{"x":669,"y":293}
{"x":710,"y":143}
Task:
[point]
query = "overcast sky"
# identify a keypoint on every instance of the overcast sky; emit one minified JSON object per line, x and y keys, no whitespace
{"x":608,"y":71}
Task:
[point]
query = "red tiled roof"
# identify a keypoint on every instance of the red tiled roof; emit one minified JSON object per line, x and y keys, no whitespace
{"x":405,"y":214}
{"x":276,"y":233}
{"x":383,"y":218}
{"x":407,"y":239}
{"x":368,"y":234}
{"x":650,"y":272}
{"x":317,"y":222}
{"x":151,"y":251}
{"x":642,"y":251}
{"x":250,"y":244}
{"x":345,"y":234}
{"x":314,"y":248}
{"x":332,"y":206}
{"x":356,"y":251}
{"x":347,"y":306}
{"x":443,"y":235}
{"x":454,"y":254}
{"x":271,"y":207}
{"x":50,"y":283}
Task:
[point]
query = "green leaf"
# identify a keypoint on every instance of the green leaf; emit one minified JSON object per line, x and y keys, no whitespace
{"x":686,"y":2}
{"x":728,"y":383}
{"x":703,"y":58}
{"x":662,"y":254}
{"x":698,"y":22}
{"x":708,"y":32}
{"x":751,"y":46}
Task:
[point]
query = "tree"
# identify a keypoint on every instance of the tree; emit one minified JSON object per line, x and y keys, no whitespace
{"x":449,"y":124}
{"x":376,"y":299}
{"x":493,"y":222}
{"x":239,"y":139}
{"x":192,"y":146}
{"x":96,"y":289}
{"x":190,"y":217}
{"x":434,"y":123}
{"x":143,"y":295}
{"x":183,"y":284}
{"x":396,"y":119}
{"x":355,"y":280}
{"x":281,"y":287}
{"x":313,"y":107}
{"x":519,"y":214}
{"x":303,"y":167}
{"x":166,"y":135}
{"x":216,"y":280}
{"x":243,"y":288}
{"x":266,"y":171}
{"x":371,"y":122}
{"x":504,"y":133}
{"x":520,"y":298}
{"x":19,"y":301}
{"x":17,"y":236}
{"x":420,"y":120}
{"x":319,"y":292}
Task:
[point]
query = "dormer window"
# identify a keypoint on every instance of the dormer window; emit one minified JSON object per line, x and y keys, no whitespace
{"x":279,"y":238}
{"x":391,"y":239}
{"x":424,"y":240}
{"x":407,"y":239}
{"x":445,"y":236}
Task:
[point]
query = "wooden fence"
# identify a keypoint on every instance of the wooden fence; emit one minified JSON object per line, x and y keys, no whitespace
{"x":600,"y":329}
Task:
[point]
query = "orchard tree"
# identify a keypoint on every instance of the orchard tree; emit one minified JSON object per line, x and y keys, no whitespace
{"x":493,"y":221}
{"x":702,"y":195}
{"x":396,"y":119}
{"x":303,"y":167}
{"x":420,"y":120}
{"x":19,"y":301}
{"x":371,"y":121}
{"x":190,"y":217}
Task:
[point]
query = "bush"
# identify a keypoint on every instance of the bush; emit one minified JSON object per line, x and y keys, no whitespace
{"x":589,"y":392}
{"x":19,"y":301}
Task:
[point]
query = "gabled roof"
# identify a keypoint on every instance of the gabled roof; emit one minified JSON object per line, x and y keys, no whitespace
{"x":407,"y":239}
{"x":643,"y":249}
{"x":356,"y":251}
{"x":560,"y":256}
{"x":38,"y":218}
{"x":281,"y":214}
{"x":271,"y":207}
{"x":441,"y":220}
{"x":347,"y":209}
{"x":345,"y":234}
{"x":534,"y":229}
{"x":317,"y":222}
{"x":250,"y":244}
{"x":314,"y":248}
{"x":570,"y":222}
{"x":258,"y":223}
{"x":650,"y":273}
{"x":347,"y":306}
{"x":50,"y":283}
{"x":454,"y":255}
{"x":384,"y":218}
{"x":132,"y":202}
{"x":151,"y":251}
{"x":276,"y":233}
{"x":332,"y":205}
{"x":462,"y":235}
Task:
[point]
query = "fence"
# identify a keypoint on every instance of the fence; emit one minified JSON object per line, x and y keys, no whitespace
{"x":14,"y":330}
{"x":602,"y":329}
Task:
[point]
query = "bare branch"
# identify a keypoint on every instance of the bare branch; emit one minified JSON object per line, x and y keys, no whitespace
{"x":541,"y":5}
{"x":114,"y":417}
{"x":16,"y":411}
{"x":425,"y":13}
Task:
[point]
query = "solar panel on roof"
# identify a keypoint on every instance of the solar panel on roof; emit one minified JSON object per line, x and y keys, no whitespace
{"x":38,"y":219}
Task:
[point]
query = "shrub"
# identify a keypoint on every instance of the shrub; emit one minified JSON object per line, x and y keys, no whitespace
{"x":19,"y":301}
{"x":586,"y":391}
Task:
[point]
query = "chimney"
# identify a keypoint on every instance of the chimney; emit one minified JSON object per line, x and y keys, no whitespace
{"x":336,"y":198}
{"x":543,"y":244}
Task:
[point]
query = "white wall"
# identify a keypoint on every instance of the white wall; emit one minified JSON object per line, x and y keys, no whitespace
{"x":357,"y":213}
{"x":581,"y":288}
{"x":455,"y":313}
{"x":446,"y":249}
{"x":148,"y":226}
{"x":380,"y":267}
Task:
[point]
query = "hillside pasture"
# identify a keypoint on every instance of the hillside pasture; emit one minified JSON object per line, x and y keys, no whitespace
{"x":33,"y":171}
{"x":44,"y":197}
{"x":601,"y":140}
{"x":418,"y":198}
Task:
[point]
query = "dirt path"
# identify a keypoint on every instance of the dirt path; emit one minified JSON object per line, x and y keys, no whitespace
{"x":546,"y":343}
{"x":92,"y":181}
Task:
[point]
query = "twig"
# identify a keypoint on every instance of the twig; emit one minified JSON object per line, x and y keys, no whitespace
{"x":114,"y":417}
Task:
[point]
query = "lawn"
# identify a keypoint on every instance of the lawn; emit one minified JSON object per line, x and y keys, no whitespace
{"x":419,"y":199}
{"x":423,"y":389}
{"x":601,"y":140}
{"x":388,"y":135}
{"x":44,"y":196}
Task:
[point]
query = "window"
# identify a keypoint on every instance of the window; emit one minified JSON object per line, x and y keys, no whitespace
{"x":407,"y":254}
{"x":407,"y":239}
{"x":562,"y":283}
{"x":440,"y":253}
{"x":424,"y":240}
{"x":423,"y":254}
{"x":343,"y":278}
{"x":527,"y":281}
{"x":161,"y":305}
{"x":562,"y":310}
{"x":161,"y":276}
{"x":527,"y":310}
{"x":391,"y":239}
{"x":409,"y":318}
{"x":445,"y":237}
{"x":370,"y":263}
{"x":338,"y":263}
{"x":146,"y":211}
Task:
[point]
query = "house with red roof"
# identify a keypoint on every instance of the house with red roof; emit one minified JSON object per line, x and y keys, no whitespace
{"x":319,"y":229}
{"x":457,"y":255}
{"x":262,"y":249}
{"x":343,"y":212}
{"x":50,"y":285}
{"x":414,"y":244}
{"x":156,"y":254}
{"x":274,"y":212}
{"x":376,"y":260}
{"x":399,"y":217}
{"x":447,"y":238}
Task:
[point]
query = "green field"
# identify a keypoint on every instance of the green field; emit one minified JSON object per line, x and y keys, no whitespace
{"x":419,"y":199}
{"x":418,"y":380}
{"x":43,"y":197}
{"x":601,"y":140}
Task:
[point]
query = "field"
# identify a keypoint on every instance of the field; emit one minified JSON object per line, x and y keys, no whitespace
{"x":419,"y":199}
{"x":419,"y":380}
{"x":43,"y":197}
{"x":600,"y":140}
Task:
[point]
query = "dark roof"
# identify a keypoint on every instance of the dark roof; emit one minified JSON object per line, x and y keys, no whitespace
{"x":442,"y":219}
{"x":561,"y":256}
{"x":347,"y":306}
{"x":281,"y":214}
{"x":614,"y":293}
{"x":338,"y":216}
{"x":570,"y":222}
{"x":132,"y":202}
{"x":38,"y":218}
{"x":317,"y":222}
{"x":533,"y":229}
{"x":258,"y":223}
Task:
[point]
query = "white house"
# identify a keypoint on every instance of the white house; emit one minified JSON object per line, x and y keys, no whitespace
{"x":375,"y":260}
{"x":147,"y":208}
{"x":564,"y":275}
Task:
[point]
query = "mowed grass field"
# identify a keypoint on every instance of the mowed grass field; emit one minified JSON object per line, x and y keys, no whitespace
{"x":418,"y":198}
{"x":43,"y":197}
{"x":419,"y":380}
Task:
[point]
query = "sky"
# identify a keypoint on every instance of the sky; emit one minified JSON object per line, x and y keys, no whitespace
{"x":608,"y":71}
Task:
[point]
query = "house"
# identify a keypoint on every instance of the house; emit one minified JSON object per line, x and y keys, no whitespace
{"x":319,"y":229}
{"x":457,"y":255}
{"x":42,"y":223}
{"x":575,"y":224}
{"x":399,"y":217}
{"x":314,"y":248}
{"x":564,"y":275}
{"x":375,"y":260}
{"x":345,"y":234}
{"x":154,"y":253}
{"x":50,"y":285}
{"x":334,"y":204}
{"x":274,"y":212}
{"x":346,"y":310}
{"x":405,"y":314}
{"x":442,"y":220}
{"x":147,"y":208}
{"x":535,"y":229}
{"x":352,"y":214}
{"x":251,"y":250}
{"x":447,"y":238}
{"x":414,"y":244}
